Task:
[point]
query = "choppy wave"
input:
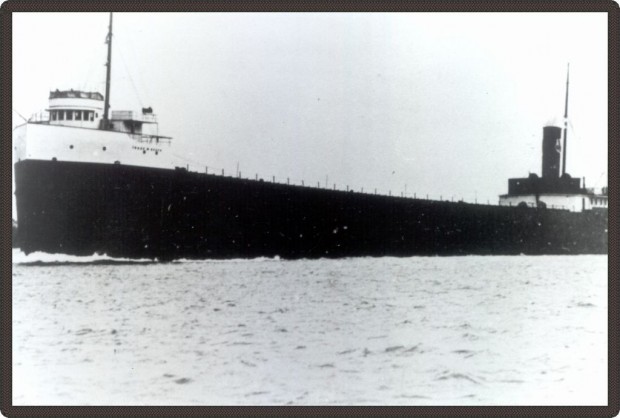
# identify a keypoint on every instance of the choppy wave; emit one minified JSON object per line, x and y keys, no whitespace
{"x":41,"y":258}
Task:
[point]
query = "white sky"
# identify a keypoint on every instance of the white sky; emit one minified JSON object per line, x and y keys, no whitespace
{"x":448,"y":104}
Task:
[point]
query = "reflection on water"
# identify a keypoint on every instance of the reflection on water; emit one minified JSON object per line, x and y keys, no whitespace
{"x":412,"y":331}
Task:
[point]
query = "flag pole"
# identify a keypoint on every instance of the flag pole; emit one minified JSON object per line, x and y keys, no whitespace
{"x":565,"y":123}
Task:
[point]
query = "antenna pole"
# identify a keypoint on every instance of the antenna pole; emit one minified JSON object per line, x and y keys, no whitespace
{"x":565,"y":123}
{"x":106,"y":105}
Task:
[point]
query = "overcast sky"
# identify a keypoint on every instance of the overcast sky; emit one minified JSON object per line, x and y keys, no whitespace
{"x":449,"y":104}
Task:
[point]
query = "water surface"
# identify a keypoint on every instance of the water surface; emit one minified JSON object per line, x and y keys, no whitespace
{"x":388,"y":331}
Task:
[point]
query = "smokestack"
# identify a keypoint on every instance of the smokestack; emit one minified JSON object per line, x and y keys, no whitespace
{"x":551,"y":151}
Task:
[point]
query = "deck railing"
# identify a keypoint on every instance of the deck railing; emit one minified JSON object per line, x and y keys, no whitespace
{"x":131,"y":115}
{"x":42,"y":116}
{"x":151,"y":139}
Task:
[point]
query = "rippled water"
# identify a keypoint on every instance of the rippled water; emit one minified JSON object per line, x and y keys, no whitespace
{"x":415,"y":331}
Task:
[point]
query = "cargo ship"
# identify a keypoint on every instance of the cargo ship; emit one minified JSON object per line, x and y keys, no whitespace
{"x":93,"y":181}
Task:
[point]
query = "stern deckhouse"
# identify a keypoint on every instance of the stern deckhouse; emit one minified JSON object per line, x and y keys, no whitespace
{"x":553,"y":190}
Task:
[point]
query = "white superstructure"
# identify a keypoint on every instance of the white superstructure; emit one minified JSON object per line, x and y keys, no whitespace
{"x":571,"y":202}
{"x":47,"y":141}
{"x":71,"y":131}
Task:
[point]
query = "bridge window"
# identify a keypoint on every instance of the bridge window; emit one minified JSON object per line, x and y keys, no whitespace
{"x":91,"y":115}
{"x":78,"y":115}
{"x":69,"y":115}
{"x":53,"y":115}
{"x":61,"y":115}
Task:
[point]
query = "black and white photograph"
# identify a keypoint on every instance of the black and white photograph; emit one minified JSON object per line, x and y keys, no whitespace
{"x":310,"y":209}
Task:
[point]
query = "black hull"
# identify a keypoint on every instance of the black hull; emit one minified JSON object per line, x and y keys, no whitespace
{"x":138,"y":212}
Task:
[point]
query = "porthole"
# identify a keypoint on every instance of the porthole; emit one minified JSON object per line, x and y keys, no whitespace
{"x":156,"y":152}
{"x":143,"y":152}
{"x":104,"y":148}
{"x":70,"y":146}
